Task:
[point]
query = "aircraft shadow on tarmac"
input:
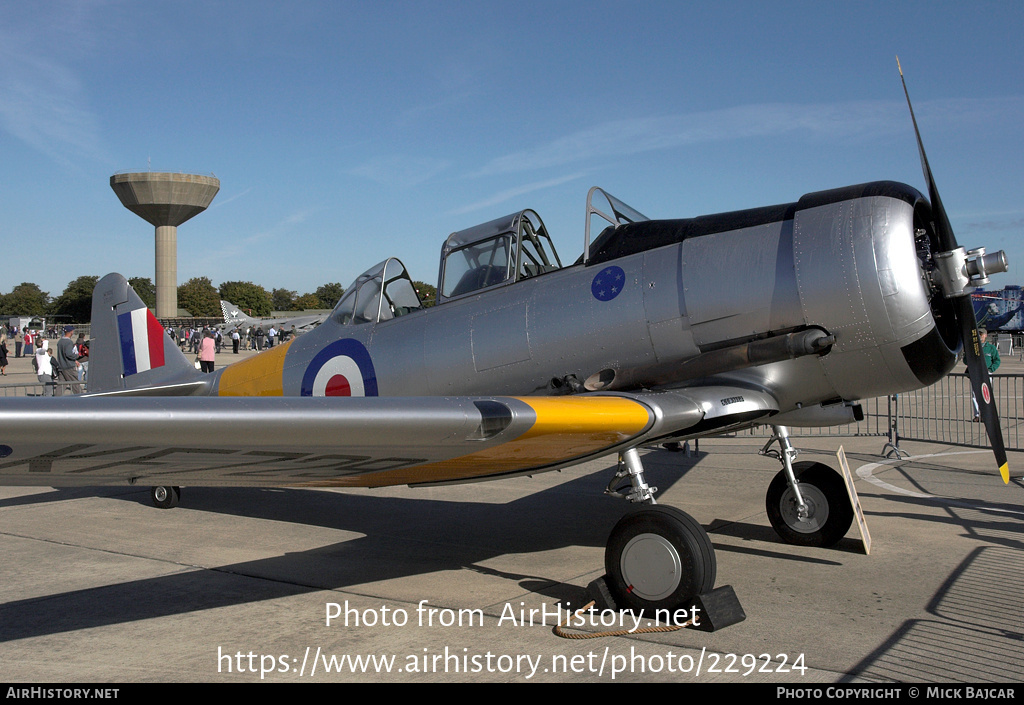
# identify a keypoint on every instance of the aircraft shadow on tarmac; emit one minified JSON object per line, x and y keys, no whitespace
{"x":399,"y":537}
{"x":977,"y":635}
{"x":996,"y":523}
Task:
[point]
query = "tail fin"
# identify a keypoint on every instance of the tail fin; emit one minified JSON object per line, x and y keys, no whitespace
{"x":233,"y":316}
{"x":130,"y":352}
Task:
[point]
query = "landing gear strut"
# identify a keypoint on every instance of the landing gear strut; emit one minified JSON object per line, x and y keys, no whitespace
{"x":807,"y":503}
{"x":165,"y":497}
{"x":639,"y":491}
{"x":657,"y":557}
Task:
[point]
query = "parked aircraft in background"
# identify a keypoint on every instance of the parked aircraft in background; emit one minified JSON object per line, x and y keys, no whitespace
{"x":661,"y":330}
{"x":986,"y":311}
{"x":235,"y":318}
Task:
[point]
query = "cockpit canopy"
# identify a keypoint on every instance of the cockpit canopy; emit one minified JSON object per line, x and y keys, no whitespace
{"x":381,"y":293}
{"x":502,"y":251}
{"x":486,"y":256}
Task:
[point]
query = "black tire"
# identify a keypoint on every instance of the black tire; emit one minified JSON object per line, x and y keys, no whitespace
{"x":658,"y":558}
{"x":824,"y":491}
{"x":165,"y":497}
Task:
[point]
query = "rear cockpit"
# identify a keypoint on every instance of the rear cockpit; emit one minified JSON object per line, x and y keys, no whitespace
{"x":503,"y":251}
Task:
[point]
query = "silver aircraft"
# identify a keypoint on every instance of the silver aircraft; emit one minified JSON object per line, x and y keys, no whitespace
{"x":234,"y":318}
{"x":660,"y":331}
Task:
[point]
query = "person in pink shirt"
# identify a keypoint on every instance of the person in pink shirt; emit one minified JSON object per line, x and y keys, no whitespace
{"x":207,"y":349}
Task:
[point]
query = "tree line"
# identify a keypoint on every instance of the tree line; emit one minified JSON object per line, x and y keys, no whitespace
{"x":198,"y":296}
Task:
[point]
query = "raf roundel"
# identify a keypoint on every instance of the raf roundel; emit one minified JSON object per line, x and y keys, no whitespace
{"x":607,"y":283}
{"x":342,"y":369}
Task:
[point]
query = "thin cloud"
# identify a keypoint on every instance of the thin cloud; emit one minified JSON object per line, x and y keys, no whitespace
{"x":508,"y":194}
{"x":646,"y":134}
{"x":224,"y":202}
{"x":1013,"y":224}
{"x":233,"y":251}
{"x":44,"y":101}
{"x":400,"y":171}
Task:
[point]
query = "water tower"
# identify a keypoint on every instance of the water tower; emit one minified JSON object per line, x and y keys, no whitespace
{"x":165,"y":200}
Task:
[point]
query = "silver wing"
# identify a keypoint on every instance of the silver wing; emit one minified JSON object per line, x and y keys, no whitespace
{"x":365,"y":442}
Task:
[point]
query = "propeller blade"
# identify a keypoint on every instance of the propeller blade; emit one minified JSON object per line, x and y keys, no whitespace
{"x":944,"y":231}
{"x":981,"y":381}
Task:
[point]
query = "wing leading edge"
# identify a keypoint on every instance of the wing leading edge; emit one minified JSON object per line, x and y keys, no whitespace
{"x":324,"y":442}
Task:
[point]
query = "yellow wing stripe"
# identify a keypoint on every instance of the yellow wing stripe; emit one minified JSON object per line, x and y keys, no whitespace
{"x":258,"y":376}
{"x":565,"y":428}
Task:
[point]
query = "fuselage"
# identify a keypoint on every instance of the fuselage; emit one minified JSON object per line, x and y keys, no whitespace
{"x":659,"y":304}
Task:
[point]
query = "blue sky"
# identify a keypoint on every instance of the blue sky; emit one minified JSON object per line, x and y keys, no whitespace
{"x":347,"y":132}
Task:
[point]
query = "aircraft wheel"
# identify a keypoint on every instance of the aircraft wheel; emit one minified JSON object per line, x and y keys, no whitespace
{"x":658,"y":557}
{"x":829,"y":511}
{"x":165,"y":497}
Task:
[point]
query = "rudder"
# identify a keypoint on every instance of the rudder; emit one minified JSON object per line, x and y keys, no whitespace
{"x":233,"y":316}
{"x":130,"y":352}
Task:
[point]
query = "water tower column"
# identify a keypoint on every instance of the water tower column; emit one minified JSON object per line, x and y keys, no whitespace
{"x":166,"y":271}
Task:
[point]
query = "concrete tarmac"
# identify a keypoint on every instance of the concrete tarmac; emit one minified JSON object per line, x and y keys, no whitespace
{"x":235,"y":585}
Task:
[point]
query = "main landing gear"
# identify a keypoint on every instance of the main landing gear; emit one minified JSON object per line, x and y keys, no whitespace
{"x":165,"y":497}
{"x":657,"y":557}
{"x":807,"y":503}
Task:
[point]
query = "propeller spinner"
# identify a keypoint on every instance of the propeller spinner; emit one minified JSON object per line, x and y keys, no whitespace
{"x":959,"y":273}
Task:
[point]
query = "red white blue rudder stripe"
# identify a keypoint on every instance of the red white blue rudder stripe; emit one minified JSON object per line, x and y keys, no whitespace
{"x":142,"y":341}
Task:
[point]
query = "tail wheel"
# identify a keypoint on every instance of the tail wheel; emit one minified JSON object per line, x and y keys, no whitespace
{"x":658,"y":558}
{"x":829,"y":513}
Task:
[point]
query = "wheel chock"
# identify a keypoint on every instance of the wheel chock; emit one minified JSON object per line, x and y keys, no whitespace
{"x":598,"y":591}
{"x":714,"y":610}
{"x":718,"y":609}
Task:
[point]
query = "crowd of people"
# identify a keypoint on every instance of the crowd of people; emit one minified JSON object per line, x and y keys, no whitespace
{"x":64,"y":364}
{"x":251,"y":338}
{"x":207,"y":342}
{"x":67,"y":361}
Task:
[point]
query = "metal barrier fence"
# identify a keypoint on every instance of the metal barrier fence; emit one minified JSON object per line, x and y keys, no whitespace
{"x":877,"y":421}
{"x":38,"y":389}
{"x":879,"y":416}
{"x":944,"y":412}
{"x":58,"y":330}
{"x":941,"y":413}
